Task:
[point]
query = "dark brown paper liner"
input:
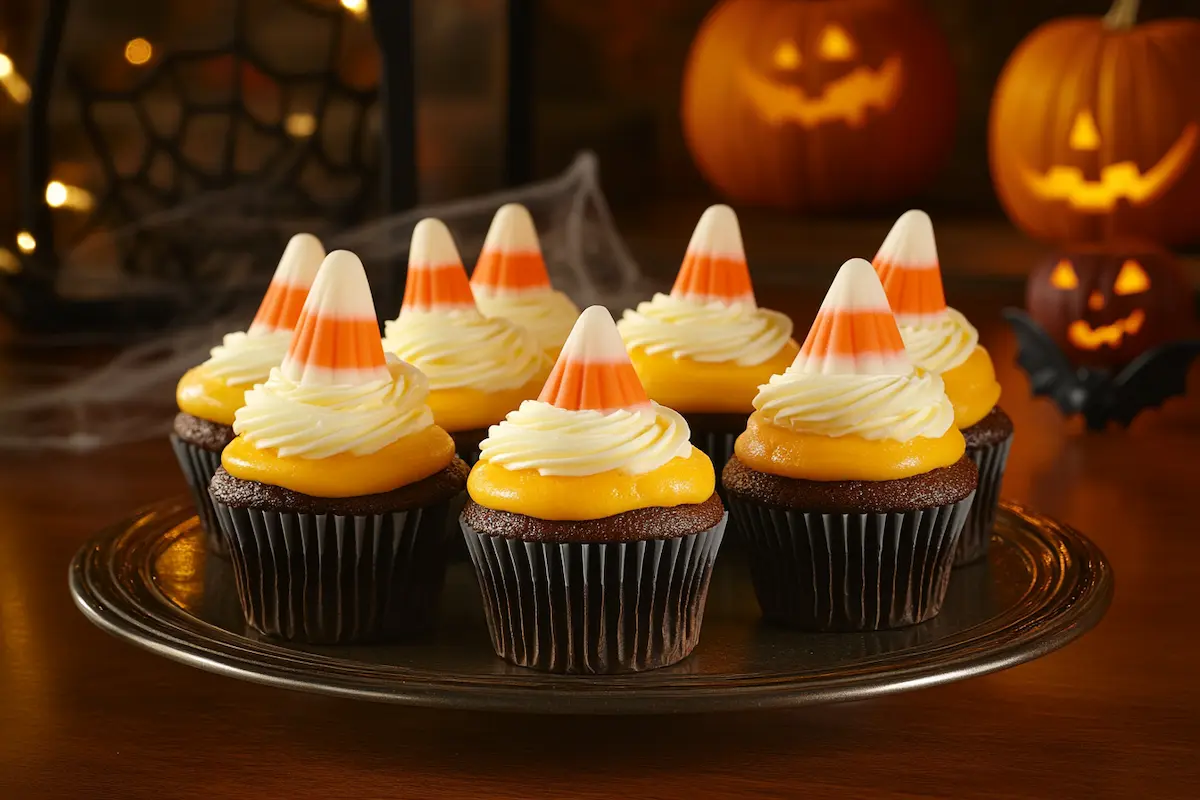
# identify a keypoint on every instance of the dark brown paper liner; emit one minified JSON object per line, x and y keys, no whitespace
{"x":849,"y":572}
{"x":977,"y":532}
{"x":594,"y":607}
{"x":329,"y":579}
{"x":199,"y":466}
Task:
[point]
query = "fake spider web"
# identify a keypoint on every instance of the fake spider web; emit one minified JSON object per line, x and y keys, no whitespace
{"x":132,"y":396}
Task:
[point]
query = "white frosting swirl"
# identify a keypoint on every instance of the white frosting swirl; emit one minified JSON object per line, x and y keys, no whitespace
{"x":549,"y":315}
{"x":898,"y":407}
{"x":244,"y":358}
{"x":464,"y":349}
{"x":555,"y":441}
{"x":708,"y":332}
{"x":941,"y":347}
{"x":322,"y":421}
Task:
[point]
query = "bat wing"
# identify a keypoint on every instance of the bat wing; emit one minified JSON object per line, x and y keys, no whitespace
{"x":1152,"y":378}
{"x":1050,"y":373}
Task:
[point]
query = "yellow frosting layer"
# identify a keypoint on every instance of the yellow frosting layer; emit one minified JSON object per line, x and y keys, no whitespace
{"x":972,"y":388}
{"x":774,"y":450}
{"x":467,"y":409}
{"x":210,"y":398}
{"x":687,"y":385}
{"x":681,"y":481}
{"x":404,"y":461}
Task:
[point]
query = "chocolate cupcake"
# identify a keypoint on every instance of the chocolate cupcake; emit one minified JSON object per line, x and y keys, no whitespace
{"x":208,"y":395}
{"x":705,"y":348}
{"x":335,"y":494}
{"x":941,"y":340}
{"x":479,"y":368}
{"x":850,"y":485}
{"x":593,"y":523}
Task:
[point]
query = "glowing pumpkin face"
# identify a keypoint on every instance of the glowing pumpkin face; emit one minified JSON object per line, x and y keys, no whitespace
{"x":1105,"y":306}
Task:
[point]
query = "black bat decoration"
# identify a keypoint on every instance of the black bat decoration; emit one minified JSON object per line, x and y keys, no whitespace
{"x":1098,"y":394}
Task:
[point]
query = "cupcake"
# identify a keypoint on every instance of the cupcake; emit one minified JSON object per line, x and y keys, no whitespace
{"x":208,"y":395}
{"x":479,"y":368}
{"x":510,"y":280}
{"x":705,"y":348}
{"x":334,"y":496}
{"x":940,"y":340}
{"x":592,"y":521}
{"x":850,"y":485}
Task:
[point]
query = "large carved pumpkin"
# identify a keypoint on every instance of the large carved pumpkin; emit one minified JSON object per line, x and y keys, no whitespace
{"x":819,"y":104}
{"x":1095,"y":129}
{"x":1106,"y":304}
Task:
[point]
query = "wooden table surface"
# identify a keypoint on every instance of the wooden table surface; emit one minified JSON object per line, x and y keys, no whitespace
{"x":1114,"y":715}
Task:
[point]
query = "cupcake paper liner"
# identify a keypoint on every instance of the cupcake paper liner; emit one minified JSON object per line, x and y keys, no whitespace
{"x":849,"y":572}
{"x":199,"y":466}
{"x":977,"y":533}
{"x":466,"y":444}
{"x":717,"y":446}
{"x":330,"y":579}
{"x":597,"y":607}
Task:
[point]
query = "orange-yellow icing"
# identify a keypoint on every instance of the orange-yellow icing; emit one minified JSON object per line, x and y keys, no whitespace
{"x":404,"y":461}
{"x":972,"y":388}
{"x":768,"y":448}
{"x":465,"y":409}
{"x":680,"y":481}
{"x":687,"y":385}
{"x":204,"y":396}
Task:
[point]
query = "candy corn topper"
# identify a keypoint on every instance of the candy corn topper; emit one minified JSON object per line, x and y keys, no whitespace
{"x":907,"y":264}
{"x":714,"y":268}
{"x":436,"y":278}
{"x":593,"y":372}
{"x":280,"y":307}
{"x":511,"y":261}
{"x":854,"y":332}
{"x":337,"y":341}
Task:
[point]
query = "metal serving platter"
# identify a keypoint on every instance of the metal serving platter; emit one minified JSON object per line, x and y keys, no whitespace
{"x":150,"y":580}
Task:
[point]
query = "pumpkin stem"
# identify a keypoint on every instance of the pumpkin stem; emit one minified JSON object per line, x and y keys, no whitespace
{"x":1122,"y":16}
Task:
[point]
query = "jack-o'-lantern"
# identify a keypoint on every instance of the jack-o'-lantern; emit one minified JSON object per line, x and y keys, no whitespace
{"x":1106,"y":304}
{"x":1095,"y":129}
{"x":818,"y":104}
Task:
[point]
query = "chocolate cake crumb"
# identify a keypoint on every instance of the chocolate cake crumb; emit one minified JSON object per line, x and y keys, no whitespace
{"x":629,"y":526}
{"x":992,"y":429}
{"x":203,"y":433}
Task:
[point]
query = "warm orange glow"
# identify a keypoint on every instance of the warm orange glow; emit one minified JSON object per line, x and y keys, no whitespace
{"x":1122,"y":180}
{"x":138,"y":51}
{"x":25,"y":242}
{"x":1085,"y":337}
{"x":300,"y":124}
{"x":60,"y":195}
{"x":9,"y":262}
{"x":1132,"y":279}
{"x":1084,"y":135}
{"x":356,"y":7}
{"x":1095,"y":300}
{"x":1063,"y":276}
{"x":836,"y":44}
{"x":11,"y":80}
{"x":786,"y":56}
{"x":846,"y":99}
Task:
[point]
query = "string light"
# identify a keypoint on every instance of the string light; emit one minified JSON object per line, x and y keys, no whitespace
{"x":300,"y":124}
{"x":11,"y":80}
{"x":9,"y":262}
{"x":25,"y":242}
{"x":61,"y":195}
{"x":138,"y":51}
{"x":356,"y":7}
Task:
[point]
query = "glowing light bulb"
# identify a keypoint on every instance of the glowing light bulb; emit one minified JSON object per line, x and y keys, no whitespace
{"x":11,"y":80}
{"x":25,"y":242}
{"x":138,"y":51}
{"x":56,"y":194}
{"x":356,"y":7}
{"x":300,"y":124}
{"x":6,"y":66}
{"x":61,"y":195}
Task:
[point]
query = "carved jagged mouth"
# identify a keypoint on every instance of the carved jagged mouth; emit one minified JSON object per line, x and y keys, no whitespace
{"x":1122,"y":180}
{"x":1085,"y":337}
{"x":847,"y":99}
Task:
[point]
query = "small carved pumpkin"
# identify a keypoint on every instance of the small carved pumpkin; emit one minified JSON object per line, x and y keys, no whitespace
{"x":1107,"y":304}
{"x":1095,"y":129}
{"x":819,"y":104}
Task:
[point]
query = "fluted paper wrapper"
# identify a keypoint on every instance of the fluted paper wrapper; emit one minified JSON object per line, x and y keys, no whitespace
{"x":594,"y":608}
{"x":977,"y":532}
{"x":199,"y":466}
{"x":849,"y":572}
{"x":718,"y":447}
{"x":329,"y":579}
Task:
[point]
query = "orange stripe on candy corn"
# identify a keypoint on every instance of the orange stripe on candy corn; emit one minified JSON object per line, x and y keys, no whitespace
{"x":593,"y":372}
{"x":337,"y":343}
{"x":441,"y":287}
{"x":714,"y":268}
{"x":500,"y":272}
{"x":907,"y":264}
{"x":853,"y":333}
{"x":280,"y":307}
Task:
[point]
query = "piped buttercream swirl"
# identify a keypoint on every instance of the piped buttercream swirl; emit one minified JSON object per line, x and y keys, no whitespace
{"x":322,"y":421}
{"x":740,"y":333}
{"x":465,"y":349}
{"x":941,"y":347}
{"x":549,"y":315}
{"x":556,"y":441}
{"x":247,"y":358}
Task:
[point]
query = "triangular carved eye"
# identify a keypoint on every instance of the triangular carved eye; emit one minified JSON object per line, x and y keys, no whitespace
{"x":1063,"y":276}
{"x":1132,"y":279}
{"x":836,"y":44}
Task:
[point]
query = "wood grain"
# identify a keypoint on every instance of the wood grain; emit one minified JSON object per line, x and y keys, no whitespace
{"x":1114,"y":715}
